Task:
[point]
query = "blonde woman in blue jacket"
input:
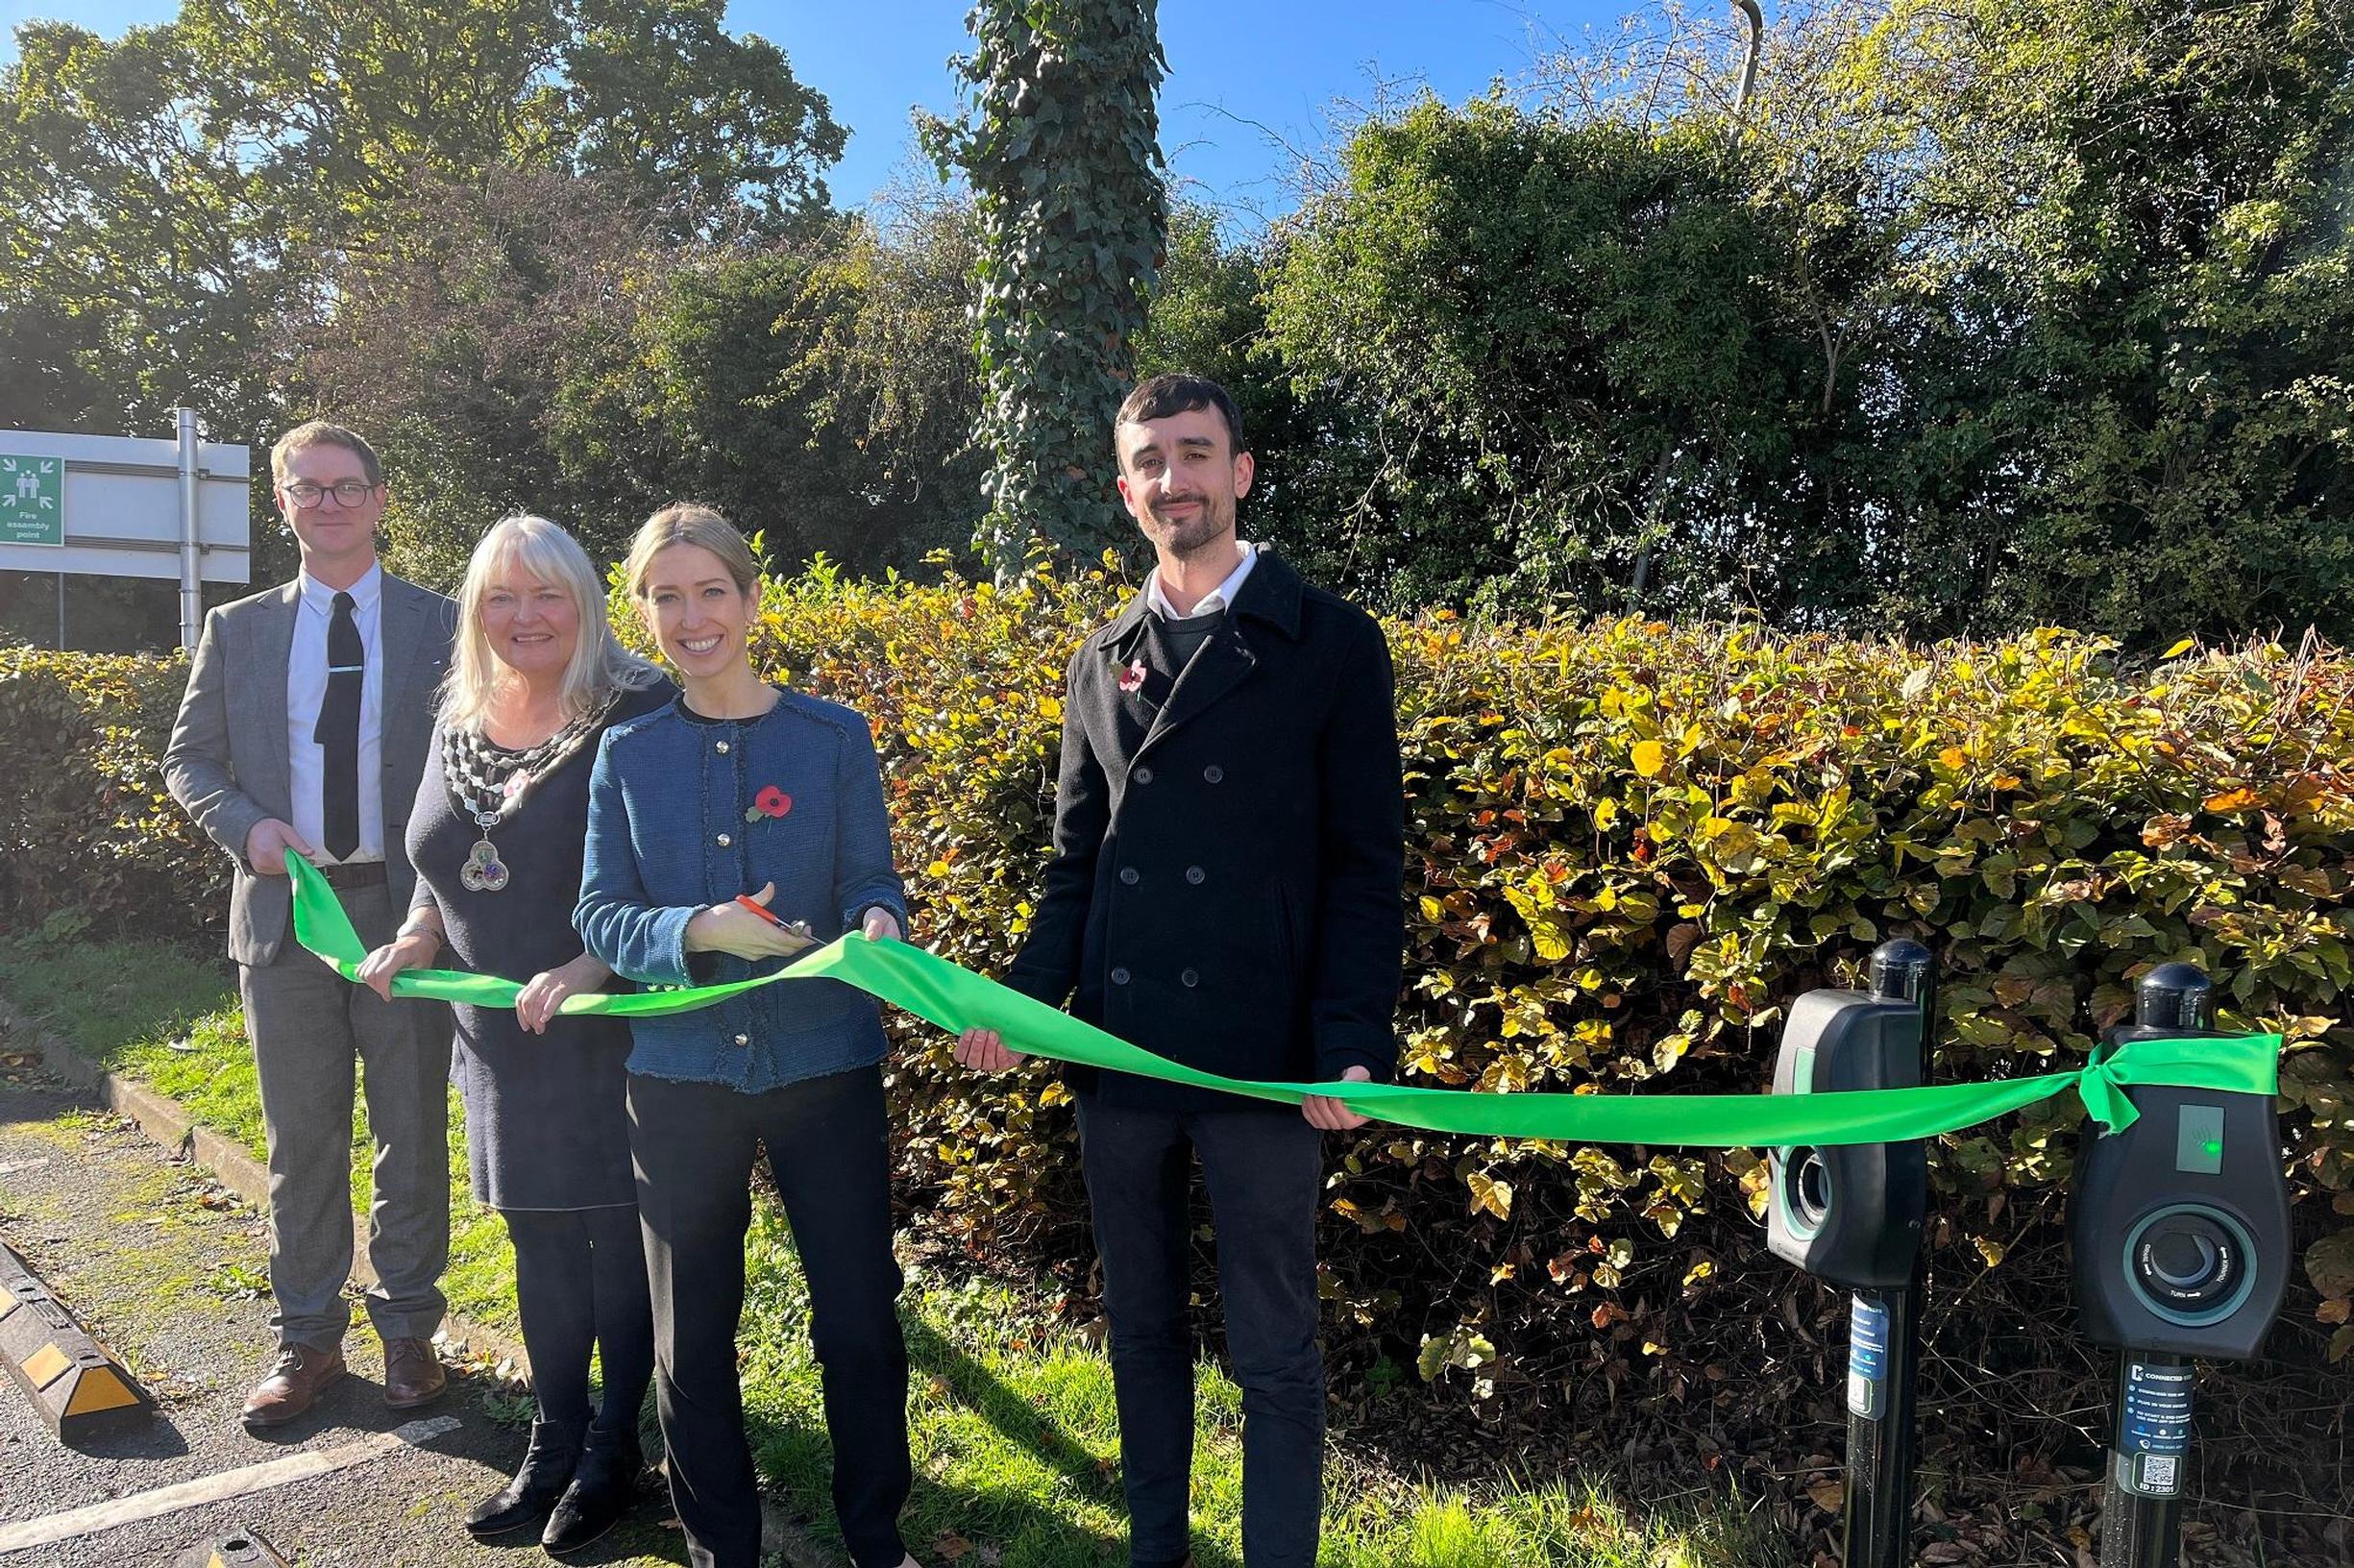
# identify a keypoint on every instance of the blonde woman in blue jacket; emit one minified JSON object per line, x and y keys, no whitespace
{"x":743,"y":794}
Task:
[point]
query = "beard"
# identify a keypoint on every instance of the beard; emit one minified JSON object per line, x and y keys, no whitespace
{"x":1212,"y":519}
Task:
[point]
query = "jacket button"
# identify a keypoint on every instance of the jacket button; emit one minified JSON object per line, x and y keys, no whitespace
{"x":743,"y":1040}
{"x":725,"y":841}
{"x":1127,"y":875}
{"x":1191,"y":977}
{"x":1193,"y":874}
{"x":721,"y":747}
{"x":1119,"y":976}
{"x":1143,"y":775}
{"x":1212,"y":773}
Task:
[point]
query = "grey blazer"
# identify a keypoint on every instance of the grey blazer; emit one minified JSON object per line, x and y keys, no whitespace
{"x":227,"y":763}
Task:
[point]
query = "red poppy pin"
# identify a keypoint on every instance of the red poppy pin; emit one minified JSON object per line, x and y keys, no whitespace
{"x":771,"y":802}
{"x":1132,"y":678}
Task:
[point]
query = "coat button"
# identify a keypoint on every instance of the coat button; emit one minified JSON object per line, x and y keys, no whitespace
{"x":725,"y":841}
{"x":1127,"y":875}
{"x":721,"y":747}
{"x":1193,"y":874}
{"x":1191,"y":977}
{"x":1213,"y":773}
{"x":1143,"y":775}
{"x":1119,"y":976}
{"x":743,"y":1040}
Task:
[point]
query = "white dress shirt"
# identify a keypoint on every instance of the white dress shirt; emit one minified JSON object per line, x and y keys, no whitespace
{"x":1216,"y":599}
{"x":306,"y":689}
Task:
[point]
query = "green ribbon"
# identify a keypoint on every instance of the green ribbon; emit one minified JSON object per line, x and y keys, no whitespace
{"x":956,"y":999}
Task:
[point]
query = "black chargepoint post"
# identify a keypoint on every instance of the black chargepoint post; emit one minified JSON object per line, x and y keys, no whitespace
{"x":2179,"y":1234}
{"x":1853,"y":1215}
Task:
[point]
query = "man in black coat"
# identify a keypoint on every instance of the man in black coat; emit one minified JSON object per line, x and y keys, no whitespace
{"x":1225,"y":891}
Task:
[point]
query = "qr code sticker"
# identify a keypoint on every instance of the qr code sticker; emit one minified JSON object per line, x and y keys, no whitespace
{"x":2158,"y":1473}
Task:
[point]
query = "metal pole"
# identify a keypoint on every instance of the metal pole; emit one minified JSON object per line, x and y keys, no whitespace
{"x":191,"y":594}
{"x":1757,"y":46}
{"x":60,"y":577}
{"x":2140,"y":1498}
{"x":2140,"y":1512}
{"x":1884,"y":1342}
{"x":1740,"y":111}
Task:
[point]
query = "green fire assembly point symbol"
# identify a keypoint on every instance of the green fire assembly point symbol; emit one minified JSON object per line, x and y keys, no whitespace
{"x":31,"y":500}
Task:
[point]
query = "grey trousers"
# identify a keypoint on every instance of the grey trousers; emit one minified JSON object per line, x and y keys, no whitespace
{"x":311,"y":1031}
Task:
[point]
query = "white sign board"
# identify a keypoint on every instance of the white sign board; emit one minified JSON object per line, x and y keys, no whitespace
{"x":121,"y":501}
{"x":128,"y":506}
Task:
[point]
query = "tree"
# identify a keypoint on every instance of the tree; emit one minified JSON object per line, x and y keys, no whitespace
{"x":183,"y":208}
{"x":537,"y":342}
{"x":1547,"y":344}
{"x":457,"y":342}
{"x":338,"y":108}
{"x":1060,"y":142}
{"x":141,"y":274}
{"x":2147,"y":211}
{"x":1208,"y":315}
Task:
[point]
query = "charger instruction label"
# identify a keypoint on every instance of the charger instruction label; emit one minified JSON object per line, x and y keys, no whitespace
{"x":1867,"y":1358}
{"x":2154,"y":1433}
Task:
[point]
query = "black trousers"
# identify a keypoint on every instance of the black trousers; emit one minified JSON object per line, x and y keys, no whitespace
{"x":1264,"y":1169}
{"x":580,"y":1286}
{"x":692,"y":1145}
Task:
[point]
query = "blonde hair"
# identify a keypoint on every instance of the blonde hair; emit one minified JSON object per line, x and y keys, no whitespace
{"x":691,"y":522}
{"x":599,"y":665}
{"x":320,"y":433}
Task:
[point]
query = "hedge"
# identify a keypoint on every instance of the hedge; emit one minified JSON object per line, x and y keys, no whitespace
{"x":86,"y":829}
{"x":1631,"y":843}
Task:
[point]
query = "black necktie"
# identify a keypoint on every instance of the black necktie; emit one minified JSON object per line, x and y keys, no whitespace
{"x":338,"y":732}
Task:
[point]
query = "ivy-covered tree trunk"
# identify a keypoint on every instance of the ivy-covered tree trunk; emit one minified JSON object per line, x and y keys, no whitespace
{"x":1061,"y":143}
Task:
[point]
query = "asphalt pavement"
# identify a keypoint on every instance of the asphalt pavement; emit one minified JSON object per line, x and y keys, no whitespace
{"x":166,"y":1268}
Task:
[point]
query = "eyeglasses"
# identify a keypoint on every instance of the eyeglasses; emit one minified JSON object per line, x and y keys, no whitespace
{"x":347,"y":492}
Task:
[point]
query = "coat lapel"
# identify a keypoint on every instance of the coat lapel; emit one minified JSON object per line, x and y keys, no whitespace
{"x":406,"y":614}
{"x":1269,"y":599}
{"x":272,"y":651}
{"x":1214,"y":670}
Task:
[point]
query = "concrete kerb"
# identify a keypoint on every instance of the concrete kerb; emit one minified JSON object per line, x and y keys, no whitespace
{"x":167,"y":1123}
{"x":169,"y":1126}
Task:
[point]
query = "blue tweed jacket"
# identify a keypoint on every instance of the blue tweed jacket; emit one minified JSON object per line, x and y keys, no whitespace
{"x":676,"y":824}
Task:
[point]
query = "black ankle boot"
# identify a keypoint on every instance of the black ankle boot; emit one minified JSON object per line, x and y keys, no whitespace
{"x":603,"y":1490}
{"x":546,"y":1469}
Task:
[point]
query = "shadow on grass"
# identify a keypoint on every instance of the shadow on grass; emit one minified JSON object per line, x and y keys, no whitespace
{"x":1029,"y":1524}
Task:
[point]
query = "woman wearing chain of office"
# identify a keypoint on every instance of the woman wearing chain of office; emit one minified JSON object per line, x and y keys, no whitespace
{"x":535,"y":680}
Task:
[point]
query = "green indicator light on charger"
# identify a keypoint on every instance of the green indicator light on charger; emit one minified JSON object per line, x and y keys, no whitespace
{"x":2198,"y":1140}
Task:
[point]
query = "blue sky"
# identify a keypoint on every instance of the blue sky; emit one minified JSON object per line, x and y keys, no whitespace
{"x":1236,"y":66}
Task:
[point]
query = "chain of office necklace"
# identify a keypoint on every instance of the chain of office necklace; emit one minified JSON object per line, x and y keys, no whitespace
{"x":489,"y":782}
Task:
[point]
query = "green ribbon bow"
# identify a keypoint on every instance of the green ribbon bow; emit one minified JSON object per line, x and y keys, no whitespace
{"x":956,"y":999}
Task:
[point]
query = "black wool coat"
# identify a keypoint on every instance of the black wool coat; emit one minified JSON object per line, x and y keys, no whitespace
{"x":1229,"y":848}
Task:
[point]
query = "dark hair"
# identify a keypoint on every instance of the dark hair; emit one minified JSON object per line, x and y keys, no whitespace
{"x":1175,"y":392}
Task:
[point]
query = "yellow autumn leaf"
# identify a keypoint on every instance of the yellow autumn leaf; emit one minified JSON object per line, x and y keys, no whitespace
{"x":1648,"y":757}
{"x":2180,"y":649}
{"x":1953,"y":756}
{"x":2239,"y":799}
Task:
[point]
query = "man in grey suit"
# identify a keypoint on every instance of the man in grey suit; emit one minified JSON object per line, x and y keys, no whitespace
{"x":305,"y":728}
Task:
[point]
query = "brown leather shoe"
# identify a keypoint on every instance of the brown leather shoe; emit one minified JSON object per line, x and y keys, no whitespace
{"x":412,"y":1375}
{"x":302,"y":1373}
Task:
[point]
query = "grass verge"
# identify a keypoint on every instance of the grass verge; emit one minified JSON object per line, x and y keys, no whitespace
{"x":170,"y":1020}
{"x":1012,"y":1421}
